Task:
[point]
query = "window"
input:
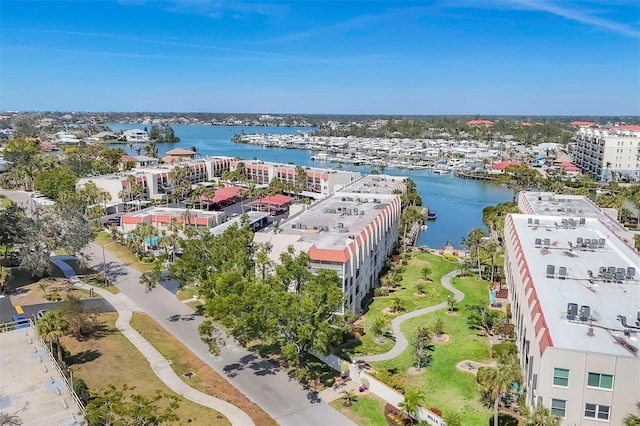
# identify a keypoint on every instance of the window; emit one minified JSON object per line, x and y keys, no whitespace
{"x":602,"y":381}
{"x":560,"y":377}
{"x":558,"y":407}
{"x":595,"y":411}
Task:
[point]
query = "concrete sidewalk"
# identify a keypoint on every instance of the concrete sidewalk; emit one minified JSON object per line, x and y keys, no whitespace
{"x":123,"y":305}
{"x":401,"y":342}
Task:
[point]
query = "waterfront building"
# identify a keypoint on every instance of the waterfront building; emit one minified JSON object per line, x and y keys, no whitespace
{"x":138,"y":160}
{"x":155,"y":179}
{"x":609,"y":153}
{"x":574,"y":290}
{"x":351,"y":232}
{"x":273,"y":204}
{"x":573,"y":207}
{"x":178,"y":154}
{"x":136,"y":136}
{"x":318,"y":180}
{"x":161,"y":218}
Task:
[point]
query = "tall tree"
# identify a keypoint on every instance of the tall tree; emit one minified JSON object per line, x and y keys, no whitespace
{"x":518,"y":177}
{"x":422,"y":347}
{"x":51,"y":327}
{"x":474,"y":242}
{"x":496,"y":381}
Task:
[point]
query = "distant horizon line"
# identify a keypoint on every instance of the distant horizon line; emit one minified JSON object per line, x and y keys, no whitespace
{"x":15,"y":111}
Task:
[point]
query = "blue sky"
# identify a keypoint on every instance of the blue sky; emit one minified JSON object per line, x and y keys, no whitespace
{"x":543,"y":57}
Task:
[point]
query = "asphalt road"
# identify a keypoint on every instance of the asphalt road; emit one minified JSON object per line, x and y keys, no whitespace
{"x":271,"y":388}
{"x":7,"y":310}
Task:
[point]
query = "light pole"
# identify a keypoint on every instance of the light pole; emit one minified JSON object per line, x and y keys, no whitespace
{"x":104,"y":264}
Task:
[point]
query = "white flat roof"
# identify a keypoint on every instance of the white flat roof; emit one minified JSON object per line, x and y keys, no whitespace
{"x":30,"y":383}
{"x":606,"y":300}
{"x":548,"y":203}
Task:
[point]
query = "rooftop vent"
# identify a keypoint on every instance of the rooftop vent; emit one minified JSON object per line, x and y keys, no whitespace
{"x":562,"y":272}
{"x":529,"y":221}
{"x":538,"y":242}
{"x":551,"y":271}
{"x":585,"y":313}
{"x":547,"y":242}
{"x":340,"y":225}
{"x":631,"y":273}
{"x":572,"y":311}
{"x":583,"y":221}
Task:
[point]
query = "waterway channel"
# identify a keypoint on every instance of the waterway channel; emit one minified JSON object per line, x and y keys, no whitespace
{"x":458,"y":202}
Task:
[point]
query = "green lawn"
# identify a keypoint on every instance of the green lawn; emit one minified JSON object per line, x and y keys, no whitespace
{"x":121,"y":252}
{"x":434,"y":294}
{"x":444,"y":386}
{"x":366,"y":410}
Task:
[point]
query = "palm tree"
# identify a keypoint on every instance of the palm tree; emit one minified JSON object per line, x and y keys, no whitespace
{"x":541,"y":416}
{"x":5,"y":274}
{"x":498,"y":380}
{"x":51,"y":327}
{"x":412,"y":400}
{"x":633,"y":419}
{"x":349,"y":397}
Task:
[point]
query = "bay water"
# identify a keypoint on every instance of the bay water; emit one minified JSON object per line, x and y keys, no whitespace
{"x":457,"y":202}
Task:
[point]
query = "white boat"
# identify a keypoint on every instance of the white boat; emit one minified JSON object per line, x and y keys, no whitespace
{"x":441,"y":171}
{"x":424,"y":227}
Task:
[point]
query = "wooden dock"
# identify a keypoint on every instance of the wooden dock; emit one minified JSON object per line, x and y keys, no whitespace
{"x":472,"y":175}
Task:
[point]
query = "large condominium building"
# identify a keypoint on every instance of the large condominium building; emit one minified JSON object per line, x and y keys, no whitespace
{"x":574,"y":291}
{"x":609,"y":153}
{"x":155,"y":179}
{"x":318,"y":181}
{"x":352,"y":232}
{"x":574,"y":207}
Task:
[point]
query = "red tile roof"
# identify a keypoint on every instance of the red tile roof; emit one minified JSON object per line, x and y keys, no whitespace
{"x":223,"y":194}
{"x":503,"y":165}
{"x":569,"y":166}
{"x":274,"y":200}
{"x":582,"y":123}
{"x":328,"y":255}
{"x":632,"y":127}
{"x":180,"y":151}
{"x":479,"y":122}
{"x":128,"y":159}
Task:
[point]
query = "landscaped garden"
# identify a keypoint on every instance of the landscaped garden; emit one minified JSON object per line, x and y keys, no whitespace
{"x":413,"y":283}
{"x":122,"y":252}
{"x":111,"y":359}
{"x":443,"y":383}
{"x":363,"y":410}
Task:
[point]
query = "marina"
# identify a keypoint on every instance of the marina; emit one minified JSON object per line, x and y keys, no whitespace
{"x":458,"y":202}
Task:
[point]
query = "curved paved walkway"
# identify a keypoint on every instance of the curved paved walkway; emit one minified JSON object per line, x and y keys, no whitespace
{"x":123,"y":305}
{"x":401,"y":342}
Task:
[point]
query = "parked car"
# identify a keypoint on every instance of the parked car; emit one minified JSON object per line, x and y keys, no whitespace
{"x":21,"y":320}
{"x":41,"y":313}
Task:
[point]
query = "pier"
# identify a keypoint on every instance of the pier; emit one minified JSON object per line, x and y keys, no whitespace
{"x":471,"y":175}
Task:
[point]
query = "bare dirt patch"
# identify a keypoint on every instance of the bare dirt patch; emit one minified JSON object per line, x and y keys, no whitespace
{"x":469,"y":366}
{"x":389,"y":311}
{"x":416,"y":294}
{"x":412,"y":371}
{"x":443,"y":338}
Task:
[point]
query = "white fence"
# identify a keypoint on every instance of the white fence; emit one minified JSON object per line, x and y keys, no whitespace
{"x":377,"y":388}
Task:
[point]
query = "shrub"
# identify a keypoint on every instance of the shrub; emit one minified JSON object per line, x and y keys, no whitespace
{"x":450,"y":257}
{"x":504,"y":350}
{"x":147,"y":259}
{"x":508,"y":310}
{"x":405,"y":262}
{"x":54,"y":297}
{"x":82,"y":390}
{"x":420,"y":288}
{"x":504,"y":420}
{"x":391,"y":380}
{"x":381,"y":292}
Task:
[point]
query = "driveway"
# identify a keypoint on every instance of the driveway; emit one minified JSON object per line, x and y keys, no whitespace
{"x":282,"y":398}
